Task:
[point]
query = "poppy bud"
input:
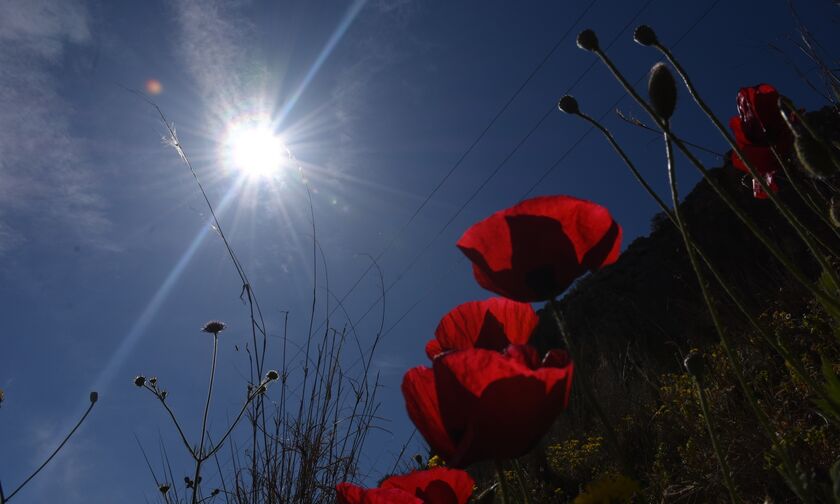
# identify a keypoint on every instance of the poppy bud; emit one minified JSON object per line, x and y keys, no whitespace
{"x":834,"y":212}
{"x":153,"y":381}
{"x":163,"y":395}
{"x":140,"y":381}
{"x":645,"y":35}
{"x":272,"y":375}
{"x":94,"y":396}
{"x":214,"y":327}
{"x":568,"y":104}
{"x":215,"y":492}
{"x":164,"y":488}
{"x":419,"y":459}
{"x":814,"y":156}
{"x":694,"y":364}
{"x":261,"y":389}
{"x":662,"y":91}
{"x":587,"y":40}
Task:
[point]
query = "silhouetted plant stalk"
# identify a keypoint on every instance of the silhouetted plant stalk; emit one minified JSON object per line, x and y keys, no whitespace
{"x":588,"y":40}
{"x":694,"y":365}
{"x":800,"y":228}
{"x":198,"y":454}
{"x":570,"y":106}
{"x":503,"y":483}
{"x":94,"y":396}
{"x":582,"y":379}
{"x":829,"y":301}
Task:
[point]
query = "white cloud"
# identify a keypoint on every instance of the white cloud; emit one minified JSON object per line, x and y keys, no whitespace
{"x":42,"y":173}
{"x":213,"y":45}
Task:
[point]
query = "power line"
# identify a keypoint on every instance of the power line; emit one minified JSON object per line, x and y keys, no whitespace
{"x":468,"y":151}
{"x":499,"y":166}
{"x":545,"y":174}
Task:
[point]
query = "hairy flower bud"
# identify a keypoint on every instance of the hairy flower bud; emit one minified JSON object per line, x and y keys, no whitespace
{"x":645,"y":35}
{"x":140,"y":381}
{"x":814,"y":156}
{"x":662,"y":91}
{"x":272,"y":375}
{"x":94,"y":396}
{"x":164,"y":488}
{"x":568,"y":104}
{"x":587,"y":40}
{"x":694,"y":364}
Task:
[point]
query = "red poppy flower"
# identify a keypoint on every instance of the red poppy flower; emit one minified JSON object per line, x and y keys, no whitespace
{"x":433,"y":486}
{"x":492,"y":324}
{"x":534,"y":250}
{"x":477,"y":404}
{"x":758,"y":127}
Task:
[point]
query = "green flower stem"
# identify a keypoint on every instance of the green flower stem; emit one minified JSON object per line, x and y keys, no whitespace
{"x":809,"y":202}
{"x":692,"y":257}
{"x":830,"y":302}
{"x":790,"y":359}
{"x":786,"y":213}
{"x":520,"y":479}
{"x":199,"y":457}
{"x":589,"y":396}
{"x":724,"y":467}
{"x":503,"y":484}
{"x":724,"y":338}
{"x":7,"y":498}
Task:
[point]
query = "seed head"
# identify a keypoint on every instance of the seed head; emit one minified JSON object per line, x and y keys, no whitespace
{"x":569,"y":105}
{"x":272,"y":375}
{"x":140,"y":381}
{"x":587,"y":40}
{"x":94,"y":396}
{"x":662,"y":91}
{"x":645,"y":35}
{"x":214,"y":327}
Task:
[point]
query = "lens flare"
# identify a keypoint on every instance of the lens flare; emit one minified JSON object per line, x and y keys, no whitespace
{"x":154,"y":87}
{"x":254,"y":148}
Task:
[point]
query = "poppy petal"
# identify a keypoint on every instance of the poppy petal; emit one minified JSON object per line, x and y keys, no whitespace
{"x":421,"y":402}
{"x":492,"y":324}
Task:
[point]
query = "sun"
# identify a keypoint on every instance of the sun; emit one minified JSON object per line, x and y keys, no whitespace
{"x":252,"y":147}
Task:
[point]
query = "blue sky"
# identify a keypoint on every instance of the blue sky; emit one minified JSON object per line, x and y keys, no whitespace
{"x":108,"y":267}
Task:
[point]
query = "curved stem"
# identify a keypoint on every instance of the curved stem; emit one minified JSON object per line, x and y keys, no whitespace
{"x":53,"y":454}
{"x":199,"y":455}
{"x":582,"y":378}
{"x":724,"y":467}
{"x":503,"y":484}
{"x":520,"y":479}
{"x":801,"y":230}
{"x":174,"y":420}
{"x":672,"y":180}
{"x":830,"y":302}
{"x":789,"y":358}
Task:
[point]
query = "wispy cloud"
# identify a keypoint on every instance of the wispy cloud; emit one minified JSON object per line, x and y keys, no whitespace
{"x":214,"y":47}
{"x":43,"y":177}
{"x":42,"y":173}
